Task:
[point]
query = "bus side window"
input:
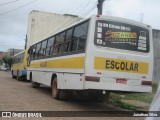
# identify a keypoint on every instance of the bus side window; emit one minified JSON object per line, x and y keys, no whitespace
{"x":59,"y":43}
{"x":55,"y":49}
{"x":22,"y":57}
{"x":30,"y":52}
{"x":79,"y":37}
{"x":43,"y":48}
{"x":49,"y":48}
{"x":68,"y":40}
{"x":38,"y":50}
{"x":34,"y":52}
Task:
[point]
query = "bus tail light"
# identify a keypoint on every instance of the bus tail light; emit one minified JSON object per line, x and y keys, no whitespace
{"x":146,"y":82}
{"x":93,"y":79}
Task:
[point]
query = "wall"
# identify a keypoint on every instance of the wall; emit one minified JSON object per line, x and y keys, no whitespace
{"x":156,"y":48}
{"x":42,"y":25}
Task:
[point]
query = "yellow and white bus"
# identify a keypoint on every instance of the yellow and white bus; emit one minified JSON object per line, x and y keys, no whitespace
{"x":99,"y":54}
{"x":19,"y":65}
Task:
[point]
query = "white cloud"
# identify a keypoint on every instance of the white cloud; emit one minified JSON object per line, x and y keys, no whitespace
{"x":132,"y":9}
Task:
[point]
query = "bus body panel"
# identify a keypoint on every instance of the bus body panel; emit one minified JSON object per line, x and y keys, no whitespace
{"x":83,"y":71}
{"x":19,"y":68}
{"x":67,"y":68}
{"x":99,"y":57}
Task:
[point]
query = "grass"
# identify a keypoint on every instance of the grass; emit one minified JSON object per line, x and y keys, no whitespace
{"x":123,"y":105}
{"x":116,"y":98}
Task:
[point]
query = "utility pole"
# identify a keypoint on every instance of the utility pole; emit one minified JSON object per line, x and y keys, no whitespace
{"x":100,"y":6}
{"x":25,"y":42}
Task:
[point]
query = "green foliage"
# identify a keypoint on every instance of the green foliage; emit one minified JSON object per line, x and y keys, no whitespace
{"x":154,"y":87}
{"x":123,"y":105}
{"x":8,"y":60}
{"x":1,"y":62}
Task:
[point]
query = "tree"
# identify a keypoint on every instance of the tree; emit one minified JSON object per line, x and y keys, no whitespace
{"x":8,"y":60}
{"x":1,"y":62}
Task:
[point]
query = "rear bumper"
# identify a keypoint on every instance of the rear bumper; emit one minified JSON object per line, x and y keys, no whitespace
{"x":116,"y":87}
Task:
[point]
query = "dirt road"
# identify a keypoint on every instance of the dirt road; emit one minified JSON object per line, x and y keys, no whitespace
{"x":20,"y":96}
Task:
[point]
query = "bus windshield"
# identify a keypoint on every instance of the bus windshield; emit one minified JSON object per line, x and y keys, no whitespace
{"x":121,"y":36}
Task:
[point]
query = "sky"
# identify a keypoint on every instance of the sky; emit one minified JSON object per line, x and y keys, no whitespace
{"x":14,"y":14}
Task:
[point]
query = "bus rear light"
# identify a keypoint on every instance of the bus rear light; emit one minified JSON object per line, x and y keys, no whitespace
{"x":146,"y":82}
{"x":93,"y":79}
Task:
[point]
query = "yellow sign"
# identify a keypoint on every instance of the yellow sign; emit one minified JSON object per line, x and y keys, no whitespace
{"x":70,"y":63}
{"x":110,"y":34}
{"x":120,"y":65}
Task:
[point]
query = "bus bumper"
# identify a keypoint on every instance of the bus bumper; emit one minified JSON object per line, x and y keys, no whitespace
{"x":117,"y":87}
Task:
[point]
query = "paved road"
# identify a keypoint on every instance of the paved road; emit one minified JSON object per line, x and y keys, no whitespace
{"x":19,"y":96}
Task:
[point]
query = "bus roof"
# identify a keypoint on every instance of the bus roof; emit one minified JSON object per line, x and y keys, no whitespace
{"x":98,"y":16}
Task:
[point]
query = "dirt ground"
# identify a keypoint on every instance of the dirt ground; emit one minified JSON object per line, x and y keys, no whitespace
{"x":19,"y":96}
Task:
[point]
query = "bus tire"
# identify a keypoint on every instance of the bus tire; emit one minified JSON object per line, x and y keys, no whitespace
{"x":34,"y":84}
{"x":55,"y":90}
{"x":18,"y":78}
{"x":13,"y":76}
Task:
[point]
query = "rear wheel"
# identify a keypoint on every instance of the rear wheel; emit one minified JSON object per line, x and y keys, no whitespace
{"x":55,"y":90}
{"x":18,"y":78}
{"x":13,"y":76}
{"x":60,"y":94}
{"x":34,"y":84}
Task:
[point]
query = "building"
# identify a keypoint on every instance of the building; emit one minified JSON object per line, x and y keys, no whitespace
{"x":13,"y":51}
{"x":42,"y":25}
{"x":2,"y":54}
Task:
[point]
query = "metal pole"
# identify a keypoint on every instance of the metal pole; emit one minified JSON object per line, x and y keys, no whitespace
{"x":100,"y":6}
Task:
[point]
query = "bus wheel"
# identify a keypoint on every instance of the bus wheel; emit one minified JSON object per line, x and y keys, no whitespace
{"x":18,"y":78}
{"x":55,"y":90}
{"x":13,"y":75}
{"x":34,"y":84}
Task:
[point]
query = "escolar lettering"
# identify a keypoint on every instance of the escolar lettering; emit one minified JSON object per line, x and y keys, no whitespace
{"x":111,"y":64}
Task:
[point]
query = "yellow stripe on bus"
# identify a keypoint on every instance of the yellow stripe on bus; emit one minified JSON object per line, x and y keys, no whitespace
{"x":75,"y":63}
{"x":119,"y":65}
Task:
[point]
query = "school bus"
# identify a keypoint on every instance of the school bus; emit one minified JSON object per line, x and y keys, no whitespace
{"x":19,"y":65}
{"x":99,"y":54}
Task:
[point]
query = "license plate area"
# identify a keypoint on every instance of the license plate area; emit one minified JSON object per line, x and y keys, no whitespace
{"x":121,"y":81}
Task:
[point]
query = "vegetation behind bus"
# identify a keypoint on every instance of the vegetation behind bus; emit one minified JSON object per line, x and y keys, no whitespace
{"x":8,"y":60}
{"x":118,"y":99}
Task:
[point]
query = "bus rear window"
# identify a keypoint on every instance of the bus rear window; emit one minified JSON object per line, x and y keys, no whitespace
{"x":121,"y":36}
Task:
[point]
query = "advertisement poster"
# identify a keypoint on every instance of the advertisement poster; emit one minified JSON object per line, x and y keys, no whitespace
{"x":121,"y":36}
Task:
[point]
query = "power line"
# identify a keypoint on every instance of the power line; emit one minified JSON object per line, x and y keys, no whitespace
{"x":18,"y":7}
{"x":83,"y":14}
{"x":8,"y":2}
